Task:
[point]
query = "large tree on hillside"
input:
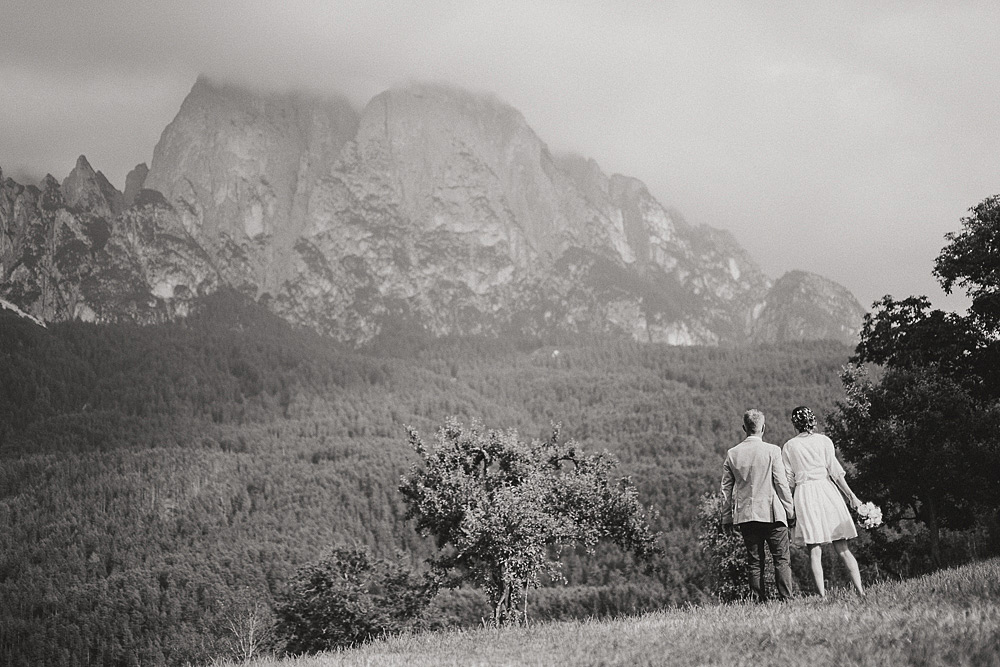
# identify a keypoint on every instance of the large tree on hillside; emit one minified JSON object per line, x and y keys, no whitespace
{"x":501,"y":509}
{"x":921,"y":445}
{"x":926,"y":436}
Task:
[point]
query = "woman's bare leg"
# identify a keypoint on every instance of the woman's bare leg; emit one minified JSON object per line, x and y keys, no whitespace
{"x":816,"y":561}
{"x":852,"y":565}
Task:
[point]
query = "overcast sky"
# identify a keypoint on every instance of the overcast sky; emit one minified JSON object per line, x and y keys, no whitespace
{"x":844,"y":138}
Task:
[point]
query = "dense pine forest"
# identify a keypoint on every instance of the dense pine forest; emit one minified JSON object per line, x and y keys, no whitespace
{"x":157,"y":482}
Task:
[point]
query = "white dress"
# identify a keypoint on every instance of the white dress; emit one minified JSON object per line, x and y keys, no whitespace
{"x":821,"y":515}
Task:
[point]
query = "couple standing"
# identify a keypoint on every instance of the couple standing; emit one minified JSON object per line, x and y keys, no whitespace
{"x":767,"y":490}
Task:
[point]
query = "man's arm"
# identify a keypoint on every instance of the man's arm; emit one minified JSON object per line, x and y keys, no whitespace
{"x":728,"y":479}
{"x":780,"y":480}
{"x":788,"y":470}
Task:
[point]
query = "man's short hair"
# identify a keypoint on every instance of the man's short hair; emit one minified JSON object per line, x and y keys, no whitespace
{"x":753,"y":421}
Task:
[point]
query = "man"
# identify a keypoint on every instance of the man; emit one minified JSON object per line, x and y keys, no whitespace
{"x":757,"y":499}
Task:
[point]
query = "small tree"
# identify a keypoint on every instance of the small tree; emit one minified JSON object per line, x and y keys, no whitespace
{"x":248,"y":624}
{"x":501,"y":510}
{"x":347,"y":599}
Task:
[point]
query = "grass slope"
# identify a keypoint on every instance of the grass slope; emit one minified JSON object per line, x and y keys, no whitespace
{"x":948,"y":618}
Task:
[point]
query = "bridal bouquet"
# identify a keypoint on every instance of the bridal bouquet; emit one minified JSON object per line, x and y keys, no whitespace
{"x":870,"y":515}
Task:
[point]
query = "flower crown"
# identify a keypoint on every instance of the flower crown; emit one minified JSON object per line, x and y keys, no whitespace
{"x":803,"y":418}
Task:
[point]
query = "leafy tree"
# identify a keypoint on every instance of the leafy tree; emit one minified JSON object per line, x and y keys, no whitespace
{"x":907,"y":334}
{"x":924,"y":438}
{"x":347,"y":599}
{"x":922,"y":446}
{"x":502,"y":510}
{"x":971,"y":260}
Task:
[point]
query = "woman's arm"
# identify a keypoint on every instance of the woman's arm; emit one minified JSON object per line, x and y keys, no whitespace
{"x":852,"y":500}
{"x":839,"y":476}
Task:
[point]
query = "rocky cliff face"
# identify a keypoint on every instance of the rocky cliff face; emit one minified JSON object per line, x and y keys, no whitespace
{"x":432,"y":208}
{"x":65,"y":254}
{"x":239,"y":169}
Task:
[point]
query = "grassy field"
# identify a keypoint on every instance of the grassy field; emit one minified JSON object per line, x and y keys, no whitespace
{"x":948,"y":618}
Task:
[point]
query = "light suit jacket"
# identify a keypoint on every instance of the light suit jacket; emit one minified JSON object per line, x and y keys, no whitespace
{"x":754,"y":484}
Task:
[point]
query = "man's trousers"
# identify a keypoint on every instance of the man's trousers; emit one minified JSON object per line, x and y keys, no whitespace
{"x":775,"y":535}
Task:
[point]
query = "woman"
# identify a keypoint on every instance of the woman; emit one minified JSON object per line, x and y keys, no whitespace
{"x":818,"y":489}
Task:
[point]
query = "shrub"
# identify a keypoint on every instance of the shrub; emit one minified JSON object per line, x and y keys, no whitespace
{"x":347,"y":599}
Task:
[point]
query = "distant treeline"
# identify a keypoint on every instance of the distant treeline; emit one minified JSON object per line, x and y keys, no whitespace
{"x":154,"y":479}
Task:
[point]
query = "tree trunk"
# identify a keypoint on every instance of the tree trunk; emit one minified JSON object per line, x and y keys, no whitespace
{"x":932,"y":527}
{"x":994,"y":532}
{"x":502,"y":604}
{"x":525,"y":602}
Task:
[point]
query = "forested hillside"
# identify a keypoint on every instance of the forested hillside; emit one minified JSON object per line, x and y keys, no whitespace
{"x":156,"y":480}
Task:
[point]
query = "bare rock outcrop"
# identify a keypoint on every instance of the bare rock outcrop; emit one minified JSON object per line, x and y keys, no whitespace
{"x":70,"y":252}
{"x":135,"y":181}
{"x":239,"y":168}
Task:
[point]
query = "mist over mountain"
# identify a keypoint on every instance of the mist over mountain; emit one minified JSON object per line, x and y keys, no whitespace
{"x":431,"y":209}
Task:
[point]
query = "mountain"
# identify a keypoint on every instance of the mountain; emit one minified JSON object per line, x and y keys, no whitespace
{"x":432,"y":209}
{"x":805,"y":306}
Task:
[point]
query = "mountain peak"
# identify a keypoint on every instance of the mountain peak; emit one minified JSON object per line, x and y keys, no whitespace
{"x":89,"y":190}
{"x":49,"y":183}
{"x":83,"y":166}
{"x":134,"y":182}
{"x":430,"y":112}
{"x":241,"y":166}
{"x":806,"y":306}
{"x":449,"y":94}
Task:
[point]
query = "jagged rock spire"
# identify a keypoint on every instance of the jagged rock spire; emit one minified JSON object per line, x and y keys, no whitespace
{"x":134,"y":183}
{"x":88,"y":190}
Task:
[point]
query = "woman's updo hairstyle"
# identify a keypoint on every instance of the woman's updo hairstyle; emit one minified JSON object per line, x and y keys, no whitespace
{"x":803,"y":418}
